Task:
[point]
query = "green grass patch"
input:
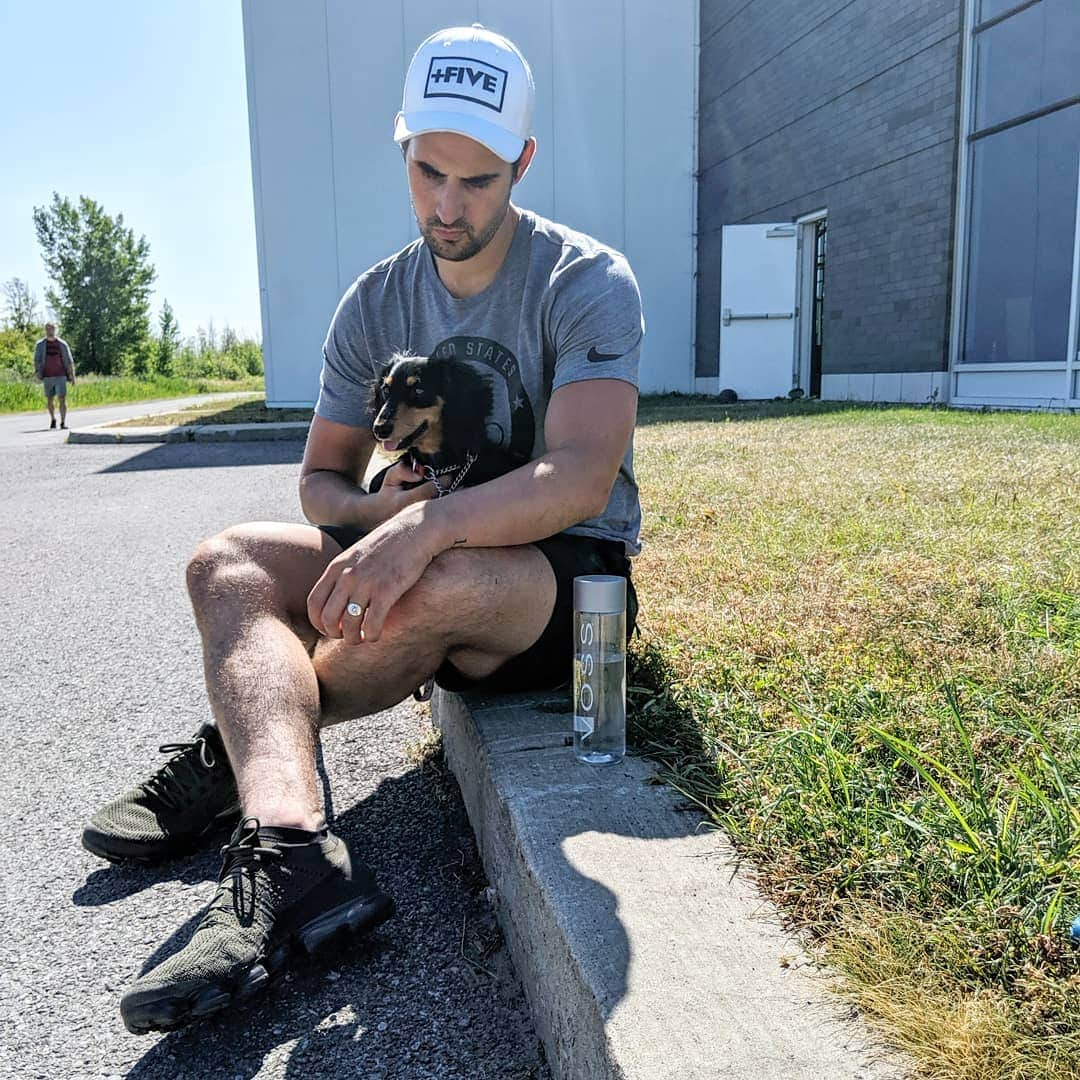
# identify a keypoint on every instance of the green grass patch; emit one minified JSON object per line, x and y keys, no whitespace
{"x":26,"y":395}
{"x":252,"y":410}
{"x":861,"y":657}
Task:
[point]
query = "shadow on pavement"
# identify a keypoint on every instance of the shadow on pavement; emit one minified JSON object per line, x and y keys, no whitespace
{"x":541,"y":819}
{"x":209,"y":456}
{"x":431,"y":992}
{"x":112,"y":883}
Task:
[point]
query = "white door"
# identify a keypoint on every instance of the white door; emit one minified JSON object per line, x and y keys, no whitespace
{"x":757,"y":309}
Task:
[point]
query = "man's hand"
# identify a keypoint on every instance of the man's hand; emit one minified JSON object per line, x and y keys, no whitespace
{"x":403,"y":485}
{"x":374,"y":573}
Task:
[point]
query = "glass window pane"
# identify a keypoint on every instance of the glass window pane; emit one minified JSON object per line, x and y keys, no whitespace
{"x":1027,"y":61}
{"x":1023,"y":221}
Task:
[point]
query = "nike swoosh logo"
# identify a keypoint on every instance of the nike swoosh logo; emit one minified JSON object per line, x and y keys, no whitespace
{"x":599,"y":357}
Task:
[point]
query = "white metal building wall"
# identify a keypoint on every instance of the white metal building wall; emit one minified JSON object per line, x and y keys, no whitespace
{"x":615,"y":125}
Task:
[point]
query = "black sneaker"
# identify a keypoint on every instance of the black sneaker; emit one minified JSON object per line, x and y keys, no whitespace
{"x":52,"y":423}
{"x":273,"y":898}
{"x":191,"y":798}
{"x":62,"y":424}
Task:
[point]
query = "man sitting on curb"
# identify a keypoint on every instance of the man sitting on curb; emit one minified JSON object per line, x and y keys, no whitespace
{"x":304,"y":626}
{"x":54,"y":368}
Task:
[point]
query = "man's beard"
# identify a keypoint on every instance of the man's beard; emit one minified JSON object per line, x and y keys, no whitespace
{"x":469,"y":244}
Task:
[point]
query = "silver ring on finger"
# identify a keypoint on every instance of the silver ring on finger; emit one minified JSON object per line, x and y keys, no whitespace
{"x":354,"y":609}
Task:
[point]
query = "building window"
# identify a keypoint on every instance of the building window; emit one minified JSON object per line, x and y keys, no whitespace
{"x":1021,"y":241}
{"x":1025,"y":149}
{"x":1027,"y":61}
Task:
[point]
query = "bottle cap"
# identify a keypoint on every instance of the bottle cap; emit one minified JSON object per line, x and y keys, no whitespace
{"x":600,"y":594}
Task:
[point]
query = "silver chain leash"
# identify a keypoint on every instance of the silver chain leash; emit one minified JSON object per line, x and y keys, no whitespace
{"x":434,"y":474}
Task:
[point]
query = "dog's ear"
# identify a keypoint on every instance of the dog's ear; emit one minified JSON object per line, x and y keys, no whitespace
{"x":469,"y":400}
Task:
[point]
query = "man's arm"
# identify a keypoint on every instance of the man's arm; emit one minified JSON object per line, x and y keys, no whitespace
{"x":335,"y":459}
{"x":586,"y":429}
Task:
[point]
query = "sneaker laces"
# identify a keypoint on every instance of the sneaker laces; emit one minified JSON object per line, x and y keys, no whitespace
{"x":242,"y":858}
{"x":172,"y":783}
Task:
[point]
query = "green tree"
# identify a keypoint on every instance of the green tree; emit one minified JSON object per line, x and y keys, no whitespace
{"x":21,"y":306}
{"x":103,"y":277}
{"x":168,"y":340}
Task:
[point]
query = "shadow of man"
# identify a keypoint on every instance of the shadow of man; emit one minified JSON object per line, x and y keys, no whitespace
{"x":563,"y":841}
{"x":432,"y":992}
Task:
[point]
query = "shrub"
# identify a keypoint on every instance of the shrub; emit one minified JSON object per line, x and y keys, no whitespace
{"x":249,"y":355}
{"x":17,"y":350}
{"x":198,"y":359}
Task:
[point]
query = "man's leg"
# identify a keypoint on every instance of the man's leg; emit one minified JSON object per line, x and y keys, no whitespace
{"x":272,"y":683}
{"x":49,"y":399}
{"x":63,"y":404}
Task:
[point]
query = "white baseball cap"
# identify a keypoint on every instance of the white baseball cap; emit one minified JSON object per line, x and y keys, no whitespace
{"x":472,"y":82}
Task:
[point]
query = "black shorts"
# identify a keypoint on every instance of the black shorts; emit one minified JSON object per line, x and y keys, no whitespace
{"x":548,"y":662}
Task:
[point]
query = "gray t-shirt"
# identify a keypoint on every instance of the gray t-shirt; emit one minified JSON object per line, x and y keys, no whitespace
{"x":562,"y":308}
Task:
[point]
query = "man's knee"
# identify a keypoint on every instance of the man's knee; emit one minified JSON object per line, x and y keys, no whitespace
{"x":451,"y":570}
{"x":469,"y":594}
{"x":225,"y":563}
{"x":262,"y":566}
{"x":454,"y":583}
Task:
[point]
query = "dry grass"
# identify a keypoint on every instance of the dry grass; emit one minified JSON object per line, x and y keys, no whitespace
{"x":861,"y":653}
{"x":956,"y":1033}
{"x":249,"y":410}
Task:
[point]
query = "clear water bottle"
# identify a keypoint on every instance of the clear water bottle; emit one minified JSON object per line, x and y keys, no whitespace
{"x":600,"y":669}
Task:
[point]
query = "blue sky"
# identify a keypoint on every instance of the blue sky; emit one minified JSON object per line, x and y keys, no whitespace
{"x":143,"y":107}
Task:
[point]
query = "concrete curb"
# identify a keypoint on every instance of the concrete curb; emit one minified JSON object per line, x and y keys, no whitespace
{"x":645,"y":953}
{"x":103,"y":433}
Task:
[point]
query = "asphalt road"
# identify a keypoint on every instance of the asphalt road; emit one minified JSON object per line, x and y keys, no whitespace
{"x":100,"y":663}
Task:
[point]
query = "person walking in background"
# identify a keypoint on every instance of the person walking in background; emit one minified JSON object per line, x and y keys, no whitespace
{"x":54,"y":368}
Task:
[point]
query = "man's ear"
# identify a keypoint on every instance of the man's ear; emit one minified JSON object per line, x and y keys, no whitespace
{"x":525,"y":159}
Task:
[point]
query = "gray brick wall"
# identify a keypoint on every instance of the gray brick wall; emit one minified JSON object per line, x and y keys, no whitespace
{"x":849,"y":105}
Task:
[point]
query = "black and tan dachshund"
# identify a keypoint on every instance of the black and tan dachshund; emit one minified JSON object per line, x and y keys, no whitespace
{"x":433,"y":411}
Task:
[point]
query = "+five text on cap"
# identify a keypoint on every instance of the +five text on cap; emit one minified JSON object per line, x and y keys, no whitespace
{"x":469,"y":81}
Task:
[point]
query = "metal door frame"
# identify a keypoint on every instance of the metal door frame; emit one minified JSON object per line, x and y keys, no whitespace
{"x":804,"y":292}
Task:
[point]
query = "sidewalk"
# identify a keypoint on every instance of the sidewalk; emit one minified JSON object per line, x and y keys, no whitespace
{"x":645,"y":953}
{"x":103,"y":433}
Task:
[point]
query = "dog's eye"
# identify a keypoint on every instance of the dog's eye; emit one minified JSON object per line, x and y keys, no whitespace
{"x":418,"y":393}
